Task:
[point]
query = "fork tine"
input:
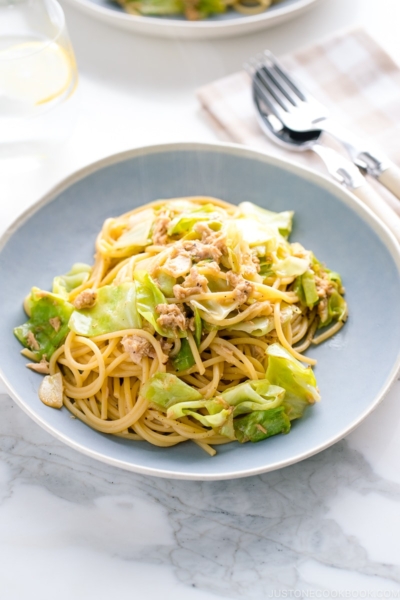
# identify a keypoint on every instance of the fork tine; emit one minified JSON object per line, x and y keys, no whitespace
{"x":294,"y":90}
{"x":262,"y":92}
{"x":280,"y":83}
{"x":259,"y":88}
{"x":288,"y":79}
{"x":268,"y":81}
{"x":269,"y":89}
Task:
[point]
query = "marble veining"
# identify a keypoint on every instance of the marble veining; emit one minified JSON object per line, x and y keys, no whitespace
{"x":245,"y":538}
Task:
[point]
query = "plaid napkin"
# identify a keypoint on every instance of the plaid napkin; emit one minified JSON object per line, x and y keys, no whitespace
{"x":349,"y":73}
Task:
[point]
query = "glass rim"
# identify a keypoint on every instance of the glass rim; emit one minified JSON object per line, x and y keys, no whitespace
{"x":61,"y":27}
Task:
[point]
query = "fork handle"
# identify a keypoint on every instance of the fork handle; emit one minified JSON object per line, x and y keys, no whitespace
{"x":379,"y":207}
{"x":390,"y":178}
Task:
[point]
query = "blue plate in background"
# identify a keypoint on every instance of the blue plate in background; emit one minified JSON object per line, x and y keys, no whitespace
{"x":230,"y":23}
{"x":355,"y":368}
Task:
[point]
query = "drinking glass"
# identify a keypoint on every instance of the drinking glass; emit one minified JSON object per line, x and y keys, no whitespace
{"x":38,"y":79}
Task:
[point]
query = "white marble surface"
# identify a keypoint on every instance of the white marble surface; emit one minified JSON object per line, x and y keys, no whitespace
{"x":73,"y":528}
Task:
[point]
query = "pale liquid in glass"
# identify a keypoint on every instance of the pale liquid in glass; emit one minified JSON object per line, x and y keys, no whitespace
{"x":38,"y":78}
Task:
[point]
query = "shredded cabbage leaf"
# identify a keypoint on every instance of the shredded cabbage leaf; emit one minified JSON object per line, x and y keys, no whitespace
{"x":253,"y":395}
{"x":148,"y":297}
{"x":64,"y":284}
{"x":187,"y":220}
{"x":166,"y":389}
{"x":48,"y":323}
{"x":114,"y":310}
{"x":184,"y":358}
{"x":138,"y":235}
{"x":282,"y":221}
{"x":298,"y":381}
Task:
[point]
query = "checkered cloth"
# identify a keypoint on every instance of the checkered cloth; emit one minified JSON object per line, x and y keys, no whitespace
{"x":349,"y":73}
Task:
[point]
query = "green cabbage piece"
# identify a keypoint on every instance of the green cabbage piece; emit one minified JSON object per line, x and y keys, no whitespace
{"x":253,"y":395}
{"x":217,"y":416}
{"x":179,"y":205}
{"x":298,"y":381}
{"x":139,"y":233}
{"x":184,"y":358}
{"x":234,"y":239}
{"x":258,"y":326}
{"x":166,"y":283}
{"x":309,"y":289}
{"x":214,"y":308}
{"x":165,"y":390}
{"x":115,"y":310}
{"x":227,"y":429}
{"x":281,"y":221}
{"x":234,"y":261}
{"x":216,"y":285}
{"x":64,"y":284}
{"x":148,"y":297}
{"x":178,"y":399}
{"x":306,"y":290}
{"x":160,"y":7}
{"x":44,"y":306}
{"x":186,"y":221}
{"x":261,"y":424}
{"x":298,"y":290}
{"x":209,"y":7}
{"x":334,"y":278}
{"x":291,"y":266}
{"x":337,"y":308}
{"x":266,"y":269}
{"x":176,"y":7}
{"x":257,"y":233}
{"x":198,"y":326}
{"x":262,"y":325}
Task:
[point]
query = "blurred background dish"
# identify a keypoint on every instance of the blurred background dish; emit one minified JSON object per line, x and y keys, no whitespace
{"x":61,"y":229}
{"x":194,"y":10}
{"x":230,"y":23}
{"x":38,"y":78}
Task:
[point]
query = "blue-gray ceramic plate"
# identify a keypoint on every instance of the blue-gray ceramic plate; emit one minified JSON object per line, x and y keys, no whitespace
{"x":355,"y":368}
{"x":228,"y":24}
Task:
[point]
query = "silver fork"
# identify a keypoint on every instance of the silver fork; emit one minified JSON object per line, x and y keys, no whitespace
{"x":341,"y":169}
{"x":300,"y":111}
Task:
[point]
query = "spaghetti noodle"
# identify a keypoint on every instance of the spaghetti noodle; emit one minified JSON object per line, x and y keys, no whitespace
{"x":190,"y":325}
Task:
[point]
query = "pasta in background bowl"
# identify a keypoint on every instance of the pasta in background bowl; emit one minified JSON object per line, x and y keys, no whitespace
{"x":61,"y":230}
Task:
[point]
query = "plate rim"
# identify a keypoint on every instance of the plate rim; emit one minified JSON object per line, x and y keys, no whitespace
{"x":157,"y":26}
{"x":384,"y":234}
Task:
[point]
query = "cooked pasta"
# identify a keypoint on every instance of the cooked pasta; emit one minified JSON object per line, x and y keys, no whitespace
{"x":190,"y":325}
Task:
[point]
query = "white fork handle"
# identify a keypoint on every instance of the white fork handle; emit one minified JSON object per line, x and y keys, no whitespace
{"x":390,"y":178}
{"x":379,"y":207}
{"x":347,"y":173}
